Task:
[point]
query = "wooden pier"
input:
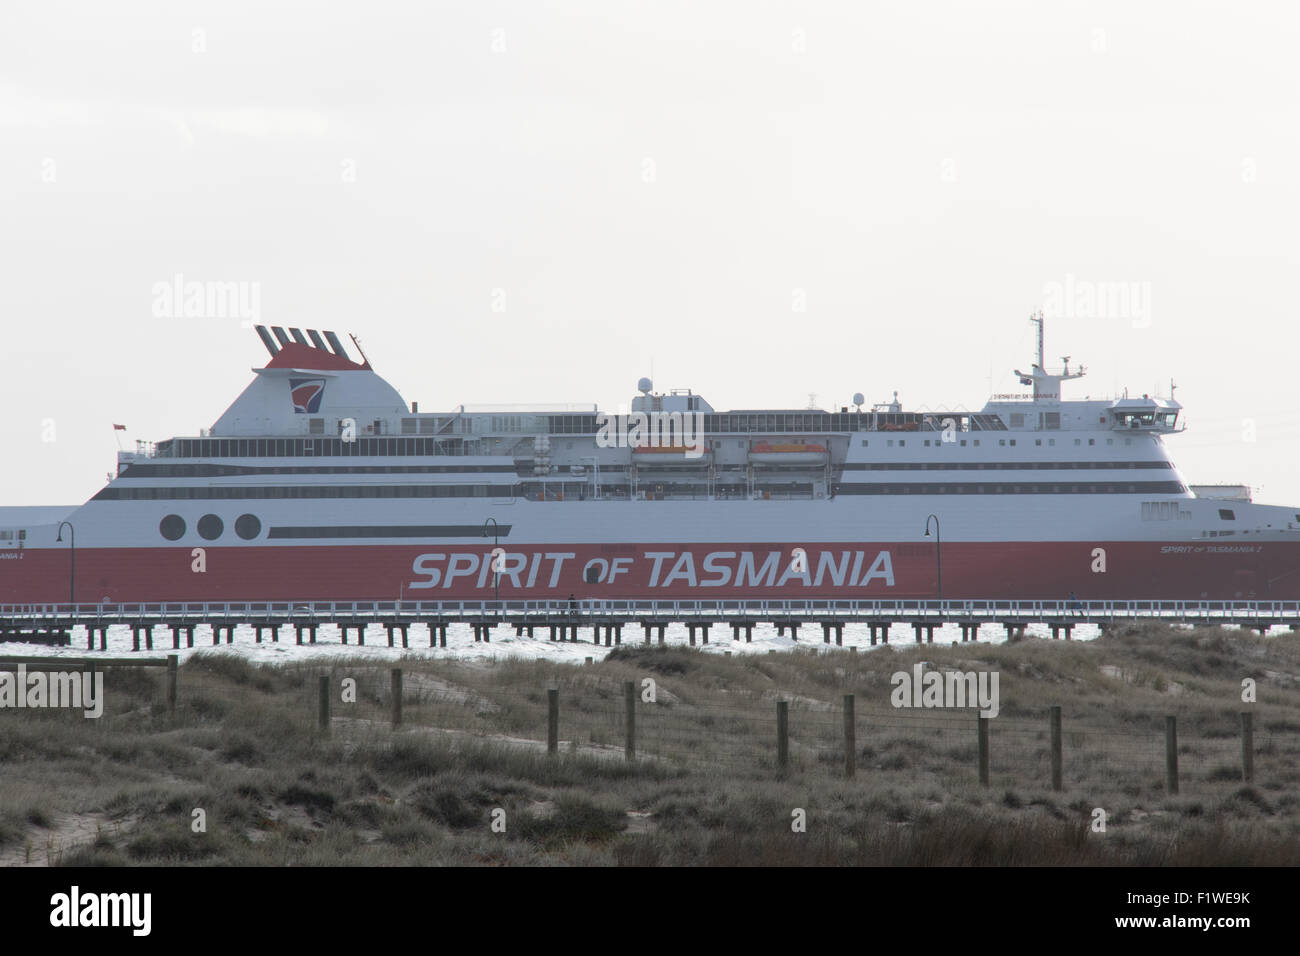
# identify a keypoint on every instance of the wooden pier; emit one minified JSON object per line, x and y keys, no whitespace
{"x":604,"y":620}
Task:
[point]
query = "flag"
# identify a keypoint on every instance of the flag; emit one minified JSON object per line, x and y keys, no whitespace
{"x":119,"y":428}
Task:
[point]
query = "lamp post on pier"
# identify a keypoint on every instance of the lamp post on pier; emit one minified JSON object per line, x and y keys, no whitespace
{"x":72,"y":570}
{"x":938,"y":553}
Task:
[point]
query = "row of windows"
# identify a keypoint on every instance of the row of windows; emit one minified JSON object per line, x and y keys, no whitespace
{"x":1030,"y":488}
{"x":721,"y":423}
{"x":1002,"y":442}
{"x":152,"y":470}
{"x":1164,"y":511}
{"x":210,"y":527}
{"x":310,"y":491}
{"x":416,"y":447}
{"x":422,"y":426}
{"x":530,"y":490}
{"x":998,"y":465}
{"x":216,"y":471}
{"x":300,"y":447}
{"x":1048,"y":420}
{"x":534,"y":489}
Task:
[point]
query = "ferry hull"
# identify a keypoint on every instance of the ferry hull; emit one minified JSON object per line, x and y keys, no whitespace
{"x":450,"y":572}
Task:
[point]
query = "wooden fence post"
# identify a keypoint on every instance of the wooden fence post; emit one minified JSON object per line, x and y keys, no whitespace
{"x":1247,"y":747}
{"x":982,"y":724}
{"x":173,"y":664}
{"x":324,"y":712}
{"x":1171,"y":754}
{"x":553,"y":721}
{"x":850,"y":738}
{"x":397,"y":697}
{"x":1056,"y":747}
{"x":782,"y":734}
{"x":629,"y":701}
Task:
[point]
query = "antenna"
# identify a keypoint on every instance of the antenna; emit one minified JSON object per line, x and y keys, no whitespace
{"x":1038,"y":320}
{"x":364,"y":358}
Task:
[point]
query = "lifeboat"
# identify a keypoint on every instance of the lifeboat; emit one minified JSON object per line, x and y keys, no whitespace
{"x":651,"y":456}
{"x":788,"y":453}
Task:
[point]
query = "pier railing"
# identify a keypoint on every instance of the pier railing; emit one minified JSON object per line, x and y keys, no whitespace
{"x":656,"y":610}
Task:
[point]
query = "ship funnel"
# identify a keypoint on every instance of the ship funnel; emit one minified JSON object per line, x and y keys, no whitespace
{"x":306,"y":349}
{"x":335,"y":344}
{"x":269,"y":342}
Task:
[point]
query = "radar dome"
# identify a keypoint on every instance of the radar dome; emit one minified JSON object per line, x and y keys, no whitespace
{"x":644,"y":385}
{"x":858,"y":398}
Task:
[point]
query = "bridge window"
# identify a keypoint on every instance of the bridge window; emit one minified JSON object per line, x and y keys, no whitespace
{"x":1227,"y":514}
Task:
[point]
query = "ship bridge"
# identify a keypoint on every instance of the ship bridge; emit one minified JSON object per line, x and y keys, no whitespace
{"x":1145,"y":414}
{"x":1045,"y":408}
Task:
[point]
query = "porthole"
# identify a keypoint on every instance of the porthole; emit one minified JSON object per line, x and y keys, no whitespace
{"x":248,"y":527}
{"x":210,"y":527}
{"x":172,"y":527}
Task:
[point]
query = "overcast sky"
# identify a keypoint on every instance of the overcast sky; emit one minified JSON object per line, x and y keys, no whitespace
{"x":518,"y":203}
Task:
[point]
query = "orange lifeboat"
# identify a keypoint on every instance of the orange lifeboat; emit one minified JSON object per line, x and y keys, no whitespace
{"x":787,"y":453}
{"x":650,"y":456}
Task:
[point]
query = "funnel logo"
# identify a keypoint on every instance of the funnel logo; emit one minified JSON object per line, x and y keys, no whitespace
{"x":306,"y":394}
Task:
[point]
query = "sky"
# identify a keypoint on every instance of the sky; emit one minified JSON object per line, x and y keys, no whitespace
{"x":769,"y":203}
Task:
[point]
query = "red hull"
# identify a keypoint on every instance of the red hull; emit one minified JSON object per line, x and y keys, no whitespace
{"x":1027,"y":570}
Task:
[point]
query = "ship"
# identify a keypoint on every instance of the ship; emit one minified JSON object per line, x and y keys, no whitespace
{"x":321,"y":483}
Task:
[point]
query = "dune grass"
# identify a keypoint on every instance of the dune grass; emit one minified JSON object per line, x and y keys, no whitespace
{"x":466,"y":779}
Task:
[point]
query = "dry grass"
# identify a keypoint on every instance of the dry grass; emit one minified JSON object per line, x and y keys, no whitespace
{"x":243,"y":747}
